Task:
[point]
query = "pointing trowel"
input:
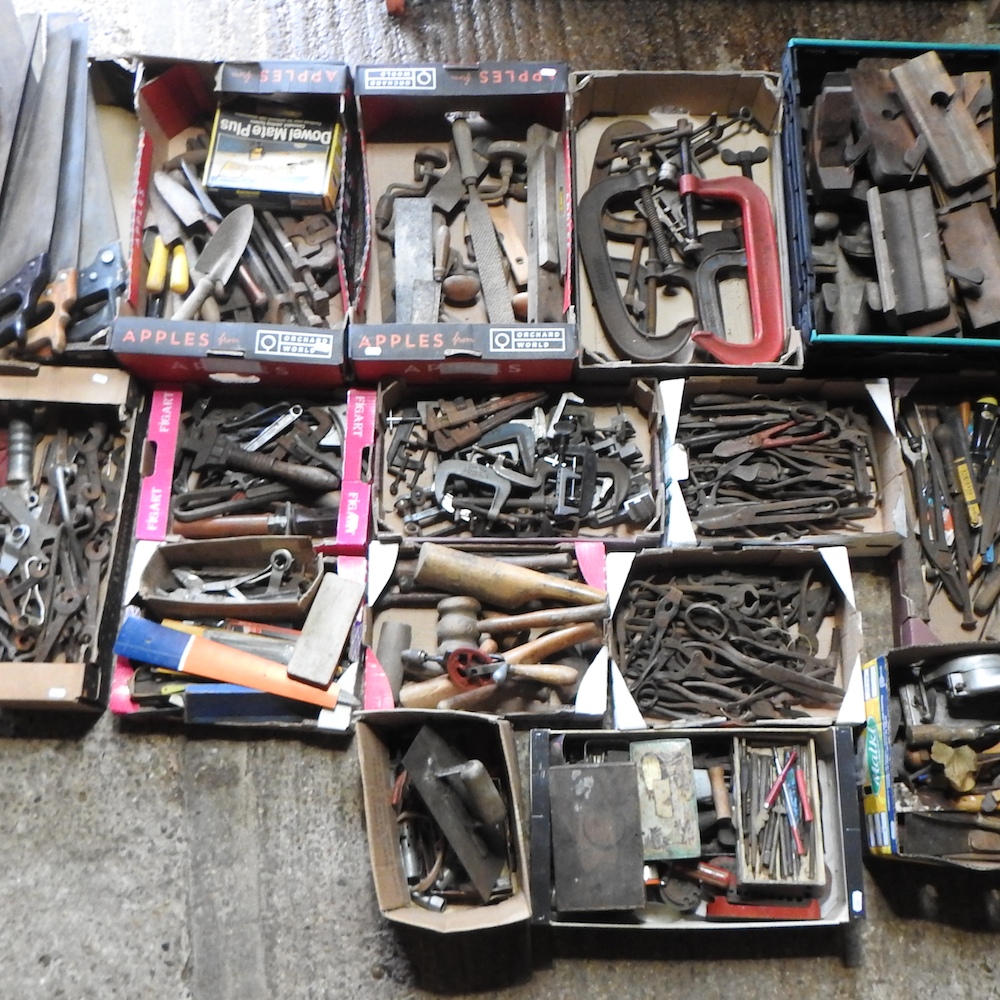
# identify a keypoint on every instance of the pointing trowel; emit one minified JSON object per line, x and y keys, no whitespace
{"x":218,"y":260}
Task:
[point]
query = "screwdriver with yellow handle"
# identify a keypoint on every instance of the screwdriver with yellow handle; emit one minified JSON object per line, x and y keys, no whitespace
{"x":168,"y":268}
{"x":156,"y":277}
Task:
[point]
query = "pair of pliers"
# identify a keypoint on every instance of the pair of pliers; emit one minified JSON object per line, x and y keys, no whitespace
{"x":771,"y":437}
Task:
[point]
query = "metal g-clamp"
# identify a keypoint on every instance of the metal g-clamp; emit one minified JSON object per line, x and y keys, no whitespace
{"x":763,"y":271}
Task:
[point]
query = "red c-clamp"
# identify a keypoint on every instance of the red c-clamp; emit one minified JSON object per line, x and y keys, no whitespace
{"x":763,"y":271}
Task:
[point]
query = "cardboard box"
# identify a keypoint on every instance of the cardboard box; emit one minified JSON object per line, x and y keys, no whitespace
{"x":200,"y":704}
{"x":70,"y":400}
{"x":644,"y":100}
{"x":805,"y":64}
{"x":168,"y":407}
{"x":383,"y":735}
{"x":923,"y":613}
{"x":175,"y":101}
{"x":888,"y":797}
{"x":401,"y":499}
{"x":840,"y":902}
{"x":401,"y":112}
{"x":839,"y":636}
{"x":876,"y":535}
{"x":390,"y":583}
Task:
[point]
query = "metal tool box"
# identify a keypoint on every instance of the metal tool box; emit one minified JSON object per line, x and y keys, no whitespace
{"x":805,"y":65}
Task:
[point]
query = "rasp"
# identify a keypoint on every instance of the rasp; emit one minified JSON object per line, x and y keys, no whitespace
{"x":28,"y":211}
{"x":489,"y":255}
{"x":52,"y":314}
{"x":103,"y":274}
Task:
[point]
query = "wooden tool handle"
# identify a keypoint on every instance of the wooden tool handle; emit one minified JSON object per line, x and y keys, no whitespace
{"x":549,"y":618}
{"x":549,"y":674}
{"x":720,"y":793}
{"x":495,"y":582}
{"x":554,"y":642}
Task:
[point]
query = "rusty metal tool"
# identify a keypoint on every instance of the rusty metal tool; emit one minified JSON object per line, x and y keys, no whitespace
{"x":211,"y":448}
{"x":489,"y":254}
{"x":545,"y":291}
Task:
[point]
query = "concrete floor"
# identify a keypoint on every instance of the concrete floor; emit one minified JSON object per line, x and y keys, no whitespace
{"x":155,"y":866}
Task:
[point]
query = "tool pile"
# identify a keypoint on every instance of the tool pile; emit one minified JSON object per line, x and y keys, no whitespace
{"x":945,"y":770}
{"x":63,"y":269}
{"x":517,"y":465}
{"x":58,"y":517}
{"x":740,"y":840}
{"x":731,"y":645}
{"x":452,"y":817}
{"x":951,"y":453}
{"x":648,"y":192}
{"x":509,"y":633}
{"x":766,"y":466}
{"x":900,"y":163}
{"x":285,"y":264}
{"x":781,"y":842}
{"x":479,"y":235}
{"x":257,"y":468}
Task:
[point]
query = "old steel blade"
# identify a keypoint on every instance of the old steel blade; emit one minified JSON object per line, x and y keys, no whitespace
{"x":545,"y":293}
{"x":16,"y":49}
{"x":413,"y":219}
{"x":28,"y":211}
{"x":179,"y":200}
{"x":103,"y":275}
{"x":191,"y":176}
{"x":59,"y":296}
{"x":485,"y":243}
{"x":489,"y":260}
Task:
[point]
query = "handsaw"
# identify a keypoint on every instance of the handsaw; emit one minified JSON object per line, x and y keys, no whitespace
{"x":16,"y":78}
{"x":103,"y":275}
{"x":28,"y":212}
{"x":60,"y":295}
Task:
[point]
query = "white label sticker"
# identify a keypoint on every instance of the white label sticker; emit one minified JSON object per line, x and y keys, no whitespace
{"x":294,"y":344}
{"x":400,"y":78}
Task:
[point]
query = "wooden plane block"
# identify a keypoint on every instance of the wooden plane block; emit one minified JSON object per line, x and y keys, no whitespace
{"x":326,"y":629}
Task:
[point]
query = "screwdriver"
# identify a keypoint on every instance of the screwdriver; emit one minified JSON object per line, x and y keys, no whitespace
{"x":156,"y":277}
{"x":984,"y":424}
